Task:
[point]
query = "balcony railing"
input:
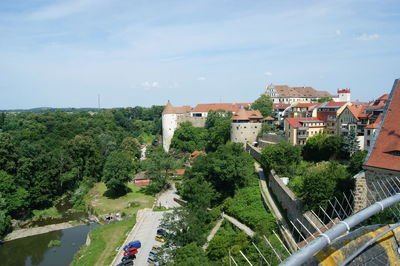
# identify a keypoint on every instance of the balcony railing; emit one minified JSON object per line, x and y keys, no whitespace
{"x":302,"y":128}
{"x":302,"y":136}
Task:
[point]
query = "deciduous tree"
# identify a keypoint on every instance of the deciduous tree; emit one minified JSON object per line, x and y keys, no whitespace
{"x":282,"y":157}
{"x":117,"y":172}
{"x":263,"y":104}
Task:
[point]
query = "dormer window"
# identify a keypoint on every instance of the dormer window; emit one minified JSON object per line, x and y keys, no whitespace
{"x":394,"y":152}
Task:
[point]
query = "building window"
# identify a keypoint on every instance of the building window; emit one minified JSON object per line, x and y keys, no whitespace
{"x":368,"y":132}
{"x":368,"y":143}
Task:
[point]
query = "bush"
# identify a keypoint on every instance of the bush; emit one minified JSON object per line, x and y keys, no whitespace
{"x":356,"y":162}
{"x":247,"y":207}
{"x":319,"y":183}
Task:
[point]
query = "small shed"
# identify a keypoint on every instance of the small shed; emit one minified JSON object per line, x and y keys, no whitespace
{"x":141,"y":179}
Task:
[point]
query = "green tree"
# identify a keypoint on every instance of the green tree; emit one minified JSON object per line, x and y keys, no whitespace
{"x":190,"y":255}
{"x":218,"y":248}
{"x":350,"y":143}
{"x":197,"y":191}
{"x":356,"y":162}
{"x":188,"y":138}
{"x":282,"y":157}
{"x":322,"y":147}
{"x":321,"y":182}
{"x":131,"y":146}
{"x":187,"y":225}
{"x":325,"y":99}
{"x":5,"y":223}
{"x":228,"y":168}
{"x":263,"y":104}
{"x":159,"y":167}
{"x":8,"y":156}
{"x":219,"y":129}
{"x":2,"y":119}
{"x":86,"y":157}
{"x":117,"y":172}
{"x":13,"y":195}
{"x":317,"y":189}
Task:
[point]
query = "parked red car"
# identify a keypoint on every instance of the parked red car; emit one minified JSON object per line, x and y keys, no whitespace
{"x":131,"y":251}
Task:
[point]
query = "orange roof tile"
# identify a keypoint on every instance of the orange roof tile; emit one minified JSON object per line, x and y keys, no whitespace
{"x":356,"y":110}
{"x":196,"y":153}
{"x":243,"y":114}
{"x":229,"y":107}
{"x":169,"y":109}
{"x":269,"y":118}
{"x":331,"y":104}
{"x":387,"y":143}
{"x":376,"y":123}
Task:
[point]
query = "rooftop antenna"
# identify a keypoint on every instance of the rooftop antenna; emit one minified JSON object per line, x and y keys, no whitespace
{"x":98,"y":101}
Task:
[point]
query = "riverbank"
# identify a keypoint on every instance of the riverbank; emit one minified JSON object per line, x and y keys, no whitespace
{"x":103,"y":243}
{"x":21,"y":233}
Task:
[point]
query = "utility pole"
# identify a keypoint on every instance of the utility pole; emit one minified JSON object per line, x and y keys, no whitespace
{"x":98,"y":101}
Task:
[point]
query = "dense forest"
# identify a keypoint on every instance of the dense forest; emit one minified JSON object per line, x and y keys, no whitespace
{"x":52,"y":154}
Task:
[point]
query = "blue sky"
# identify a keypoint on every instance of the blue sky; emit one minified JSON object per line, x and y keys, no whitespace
{"x":64,"y":53}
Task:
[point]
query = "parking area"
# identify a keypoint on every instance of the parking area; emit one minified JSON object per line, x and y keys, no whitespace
{"x":146,"y":227}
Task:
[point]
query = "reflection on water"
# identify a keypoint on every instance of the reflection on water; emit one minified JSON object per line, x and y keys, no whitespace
{"x":34,"y":250}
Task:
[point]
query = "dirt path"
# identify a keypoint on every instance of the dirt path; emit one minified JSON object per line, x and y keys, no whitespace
{"x":213,"y":232}
{"x":37,"y":230}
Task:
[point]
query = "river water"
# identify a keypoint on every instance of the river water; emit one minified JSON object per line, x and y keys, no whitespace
{"x":34,"y":250}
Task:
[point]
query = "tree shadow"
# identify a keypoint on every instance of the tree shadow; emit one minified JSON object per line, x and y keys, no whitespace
{"x":114,"y":194}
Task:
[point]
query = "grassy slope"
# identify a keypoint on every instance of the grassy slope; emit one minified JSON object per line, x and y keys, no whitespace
{"x":104,"y":240}
{"x":104,"y":205}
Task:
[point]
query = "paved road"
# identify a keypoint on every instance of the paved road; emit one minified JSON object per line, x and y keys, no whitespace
{"x":146,"y":227}
{"x":166,"y":199}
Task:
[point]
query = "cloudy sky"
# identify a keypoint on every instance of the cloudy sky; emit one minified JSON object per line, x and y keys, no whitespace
{"x":63,"y":53}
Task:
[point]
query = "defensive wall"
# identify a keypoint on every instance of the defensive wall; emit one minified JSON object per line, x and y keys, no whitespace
{"x":306,"y":222}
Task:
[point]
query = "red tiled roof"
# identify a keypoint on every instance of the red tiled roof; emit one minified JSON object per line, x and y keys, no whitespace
{"x":280,"y":105}
{"x":229,"y":107}
{"x":169,"y":109}
{"x":376,"y":123}
{"x":295,"y":122}
{"x":303,"y":92}
{"x":243,"y":114}
{"x":384,"y":97}
{"x":355,"y":110}
{"x":174,"y":172}
{"x":269,"y":118}
{"x":332,"y":104}
{"x":388,"y":139}
{"x":196,"y":153}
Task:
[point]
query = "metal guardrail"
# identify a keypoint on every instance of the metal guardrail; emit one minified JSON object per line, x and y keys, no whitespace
{"x":339,"y":229}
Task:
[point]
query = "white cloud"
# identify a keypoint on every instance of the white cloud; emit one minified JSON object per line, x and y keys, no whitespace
{"x":63,"y":9}
{"x":268,"y":73}
{"x":147,"y":85}
{"x":367,"y":37}
{"x":338,"y":32}
{"x":201,"y":78}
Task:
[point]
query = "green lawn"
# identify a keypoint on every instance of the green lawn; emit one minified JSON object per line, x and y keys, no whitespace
{"x":129,"y":204}
{"x":104,"y":240}
{"x":50,"y":212}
